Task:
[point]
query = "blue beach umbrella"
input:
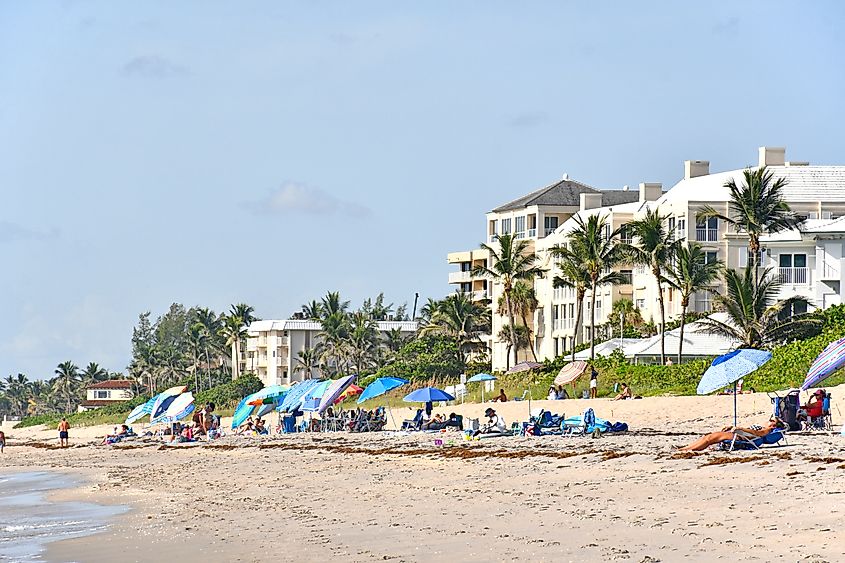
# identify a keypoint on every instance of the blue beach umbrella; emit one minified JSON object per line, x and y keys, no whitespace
{"x":334,"y":391}
{"x":311,"y":401}
{"x":830,"y":360}
{"x":427,"y":395}
{"x":479,"y":377}
{"x":296,"y":394}
{"x":728,"y":369}
{"x":381,"y":386}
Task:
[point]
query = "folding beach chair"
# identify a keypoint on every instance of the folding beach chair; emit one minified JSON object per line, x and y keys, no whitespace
{"x":823,"y":422}
{"x":741,"y":441}
{"x":415,"y":423}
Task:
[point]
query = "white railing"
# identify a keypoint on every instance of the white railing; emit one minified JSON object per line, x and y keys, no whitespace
{"x":493,"y":238}
{"x":793,"y":275}
{"x":563,"y":324}
{"x":459,"y":277}
{"x":480,"y":295}
{"x":520,"y":234}
{"x":830,"y":272}
{"x":532,"y":233}
{"x":706,"y":235}
{"x":550,"y":230}
{"x":262,"y":341}
{"x":282,"y":341}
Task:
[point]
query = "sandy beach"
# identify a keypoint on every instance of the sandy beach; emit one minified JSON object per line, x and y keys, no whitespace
{"x":396,"y":496}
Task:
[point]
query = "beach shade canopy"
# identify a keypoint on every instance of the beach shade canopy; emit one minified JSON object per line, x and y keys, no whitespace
{"x":296,"y":394}
{"x":334,"y":391}
{"x":427,"y":395}
{"x":570,"y":372}
{"x":181,"y":406}
{"x":479,"y":377}
{"x":351,"y":391}
{"x":730,"y":368}
{"x":524,"y":366}
{"x":830,"y":360}
{"x":381,"y":386}
{"x":311,"y":401}
{"x":259,"y":403}
{"x":141,"y":411}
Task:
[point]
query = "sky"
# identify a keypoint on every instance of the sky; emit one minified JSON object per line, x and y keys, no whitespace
{"x":211,"y":153}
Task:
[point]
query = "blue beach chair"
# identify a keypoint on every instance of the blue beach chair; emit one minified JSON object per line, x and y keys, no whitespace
{"x":750,"y":442}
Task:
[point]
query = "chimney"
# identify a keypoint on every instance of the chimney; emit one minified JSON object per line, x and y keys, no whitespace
{"x":650,"y":191}
{"x":772,"y":156}
{"x":590,"y":200}
{"x":696,"y":168}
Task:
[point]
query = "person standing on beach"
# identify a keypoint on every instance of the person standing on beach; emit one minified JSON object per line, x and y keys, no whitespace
{"x":594,"y":383}
{"x":64,"y":427}
{"x":2,"y":441}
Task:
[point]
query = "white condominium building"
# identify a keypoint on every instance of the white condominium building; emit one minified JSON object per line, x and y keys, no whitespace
{"x":808,"y":260}
{"x":272,"y":347}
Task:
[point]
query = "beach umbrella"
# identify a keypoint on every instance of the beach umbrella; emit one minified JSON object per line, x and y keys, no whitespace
{"x":181,"y":406}
{"x":141,"y":410}
{"x":164,"y":399}
{"x":524,"y":366}
{"x":729,"y":368}
{"x":479,"y":377}
{"x":293,"y":400}
{"x":570,"y":372}
{"x":427,"y":395}
{"x":381,"y":386}
{"x":333,"y":391}
{"x":259,"y":403}
{"x":351,"y":391}
{"x":311,"y":400}
{"x":830,"y":360}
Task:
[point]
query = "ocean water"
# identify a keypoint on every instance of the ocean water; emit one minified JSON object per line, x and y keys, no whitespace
{"x":28,"y":521}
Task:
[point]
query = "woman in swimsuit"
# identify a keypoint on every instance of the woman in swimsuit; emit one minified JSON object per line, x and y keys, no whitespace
{"x":727,"y":433}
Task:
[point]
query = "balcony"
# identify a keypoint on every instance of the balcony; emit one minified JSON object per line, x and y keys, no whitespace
{"x":459,"y":277}
{"x":532,"y":233}
{"x":282,"y":341}
{"x":480,"y":295}
{"x":563,"y":324}
{"x":550,"y":230}
{"x":493,"y":238}
{"x":796,"y":276}
{"x":520,"y":234}
{"x":262,"y":341}
{"x":706,"y":235}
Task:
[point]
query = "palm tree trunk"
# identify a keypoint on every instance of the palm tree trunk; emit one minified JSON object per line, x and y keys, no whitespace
{"x":579,"y":313}
{"x":754,"y":248}
{"x":593,"y":323}
{"x":235,"y":359}
{"x":512,"y":331}
{"x":662,"y":318}
{"x":207,"y":367}
{"x":684,"y":303}
{"x":530,"y":344}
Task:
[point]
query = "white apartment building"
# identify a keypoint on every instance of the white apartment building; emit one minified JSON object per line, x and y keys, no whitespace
{"x":809,"y":261}
{"x":272,"y":347}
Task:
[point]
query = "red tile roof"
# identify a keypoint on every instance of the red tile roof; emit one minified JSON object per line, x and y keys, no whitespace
{"x":112,"y":384}
{"x":100,"y":403}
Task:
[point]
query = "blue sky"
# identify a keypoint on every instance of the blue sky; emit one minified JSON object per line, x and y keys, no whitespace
{"x":211,"y":153}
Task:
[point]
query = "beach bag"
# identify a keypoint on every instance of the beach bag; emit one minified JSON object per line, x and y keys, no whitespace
{"x":618,"y":427}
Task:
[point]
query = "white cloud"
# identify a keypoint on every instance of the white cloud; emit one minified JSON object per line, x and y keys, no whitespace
{"x":296,"y":198}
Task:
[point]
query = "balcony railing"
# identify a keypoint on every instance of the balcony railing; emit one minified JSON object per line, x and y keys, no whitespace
{"x":550,"y":230}
{"x":706,"y":235}
{"x":282,"y":341}
{"x":493,"y":238}
{"x":532,"y":233}
{"x":520,"y":234}
{"x":563,"y":324}
{"x":793,"y":275}
{"x":459,"y":277}
{"x":480,"y":295}
{"x":830,"y":271}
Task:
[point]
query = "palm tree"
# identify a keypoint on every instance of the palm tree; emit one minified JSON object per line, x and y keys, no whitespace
{"x":93,"y":373}
{"x":197,"y":343}
{"x":655,"y":248}
{"x":211,"y":328}
{"x":312,"y":311}
{"x":524,"y":304}
{"x":234,"y":331}
{"x":363,"y":339}
{"x":307,"y":361}
{"x":512,"y":261}
{"x":332,"y":304}
{"x":573,"y":275}
{"x":507,"y":332}
{"x":334,"y":335}
{"x":756,"y":207}
{"x":755,"y":315}
{"x":18,"y":393}
{"x":624,"y":311}
{"x":461,"y":319}
{"x":66,"y":382}
{"x":593,"y":242}
{"x":690,"y":273}
{"x":428,"y":310}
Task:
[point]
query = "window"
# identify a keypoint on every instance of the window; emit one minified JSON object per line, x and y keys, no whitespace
{"x":520,"y":226}
{"x":671,"y":223}
{"x":793,"y":309}
{"x":640,"y":304}
{"x":628,"y":275}
{"x":625,"y":234}
{"x":598,"y":305}
{"x":710,"y":256}
{"x":506,"y":226}
{"x":466,"y":266}
{"x":682,"y":228}
{"x":707,"y":231}
{"x":792,"y":268}
{"x":550,"y":223}
{"x":466,"y":287}
{"x":605,"y":231}
{"x":101,"y":394}
{"x":493,"y":226}
{"x":572,"y":310}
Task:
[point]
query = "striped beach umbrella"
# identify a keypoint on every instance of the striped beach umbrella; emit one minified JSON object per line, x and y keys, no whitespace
{"x":729,"y":368}
{"x":830,"y":360}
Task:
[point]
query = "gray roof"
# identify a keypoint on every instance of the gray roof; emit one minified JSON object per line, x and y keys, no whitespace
{"x":567,"y":193}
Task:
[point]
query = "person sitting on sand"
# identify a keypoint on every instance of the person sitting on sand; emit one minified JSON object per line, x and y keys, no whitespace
{"x":495,"y":424}
{"x":561,"y":393}
{"x":246,"y":426}
{"x":118,"y":435}
{"x":625,"y":393}
{"x":501,"y":397}
{"x":260,"y":428}
{"x":436,"y":423}
{"x":210,"y":424}
{"x":728,"y":432}
{"x":552,"y":393}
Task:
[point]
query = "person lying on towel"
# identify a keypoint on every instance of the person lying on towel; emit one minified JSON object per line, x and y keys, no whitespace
{"x":727,"y":433}
{"x":495,"y":424}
